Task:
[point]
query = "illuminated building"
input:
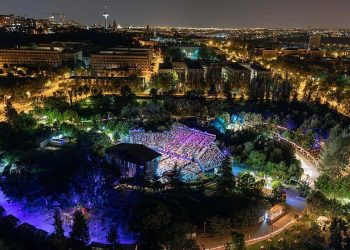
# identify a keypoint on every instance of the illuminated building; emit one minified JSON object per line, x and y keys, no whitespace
{"x":6,"y":20}
{"x":314,"y":42}
{"x":134,"y":160}
{"x":291,"y":52}
{"x":50,"y":58}
{"x":196,"y":73}
{"x":192,"y":71}
{"x":17,"y":23}
{"x":212,"y":71}
{"x":121,"y":59}
{"x":45,"y":55}
{"x":257,"y":71}
{"x":269,"y":52}
{"x":191,"y":150}
{"x":181,"y":70}
{"x":275,"y":213}
{"x":25,"y":23}
{"x":235,"y":73}
{"x":42,"y":24}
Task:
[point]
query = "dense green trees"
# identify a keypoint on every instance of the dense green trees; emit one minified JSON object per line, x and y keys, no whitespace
{"x":226,"y":181}
{"x":335,"y":164}
{"x":237,"y":241}
{"x":159,"y":227}
{"x":164,"y":81}
{"x":175,"y":179}
{"x":319,"y":205}
{"x":219,"y":226}
{"x":277,"y":192}
{"x":151,"y":114}
{"x":256,"y":159}
{"x":126,"y":92}
{"x":264,"y":155}
{"x":304,"y":188}
{"x":339,"y":238}
{"x":10,"y":112}
{"x":335,"y":155}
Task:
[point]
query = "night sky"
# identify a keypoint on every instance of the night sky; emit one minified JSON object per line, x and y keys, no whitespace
{"x":195,"y":13}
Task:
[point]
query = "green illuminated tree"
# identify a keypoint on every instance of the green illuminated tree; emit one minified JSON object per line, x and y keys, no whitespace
{"x":237,"y":241}
{"x":338,"y":228}
{"x":226,"y":182}
{"x":10,"y":112}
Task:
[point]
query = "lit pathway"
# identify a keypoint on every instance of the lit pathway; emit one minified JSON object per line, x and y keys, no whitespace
{"x":264,"y":231}
{"x":310,"y":170}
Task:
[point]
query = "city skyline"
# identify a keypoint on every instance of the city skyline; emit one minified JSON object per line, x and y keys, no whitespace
{"x":195,"y":13}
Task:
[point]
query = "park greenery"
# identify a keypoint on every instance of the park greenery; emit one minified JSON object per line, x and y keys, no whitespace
{"x":94,"y":116}
{"x":224,"y":202}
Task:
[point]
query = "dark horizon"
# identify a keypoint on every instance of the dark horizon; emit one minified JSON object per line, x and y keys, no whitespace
{"x":193,"y":13}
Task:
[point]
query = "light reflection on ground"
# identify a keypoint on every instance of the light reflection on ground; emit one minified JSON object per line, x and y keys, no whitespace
{"x":106,"y":207}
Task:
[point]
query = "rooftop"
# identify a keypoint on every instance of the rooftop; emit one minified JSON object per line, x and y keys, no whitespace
{"x":258,"y":67}
{"x":290,"y":48}
{"x":193,"y":64}
{"x":10,"y":219}
{"x":135,"y":153}
{"x":236,"y":66}
{"x":165,"y":65}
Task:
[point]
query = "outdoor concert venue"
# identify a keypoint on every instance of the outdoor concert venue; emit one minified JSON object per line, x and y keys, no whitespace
{"x":193,"y":151}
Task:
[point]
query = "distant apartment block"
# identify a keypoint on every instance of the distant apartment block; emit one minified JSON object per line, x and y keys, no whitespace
{"x":314,"y":42}
{"x":17,"y":23}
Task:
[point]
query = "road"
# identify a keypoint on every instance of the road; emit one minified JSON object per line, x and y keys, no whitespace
{"x":262,"y":231}
{"x":51,"y":87}
{"x":310,"y":170}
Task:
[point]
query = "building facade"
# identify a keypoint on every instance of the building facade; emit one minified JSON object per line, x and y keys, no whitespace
{"x":257,"y":71}
{"x":234,"y":73}
{"x":182,"y":71}
{"x":196,"y":73}
{"x":314,"y":42}
{"x":38,"y":57}
{"x":122,"y":59}
{"x":133,"y":160}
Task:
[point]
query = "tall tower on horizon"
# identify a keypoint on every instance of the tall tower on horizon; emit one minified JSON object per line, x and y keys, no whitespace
{"x":106,"y":15}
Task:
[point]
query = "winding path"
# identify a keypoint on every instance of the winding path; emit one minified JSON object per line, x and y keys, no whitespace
{"x":264,"y":231}
{"x":310,"y":170}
